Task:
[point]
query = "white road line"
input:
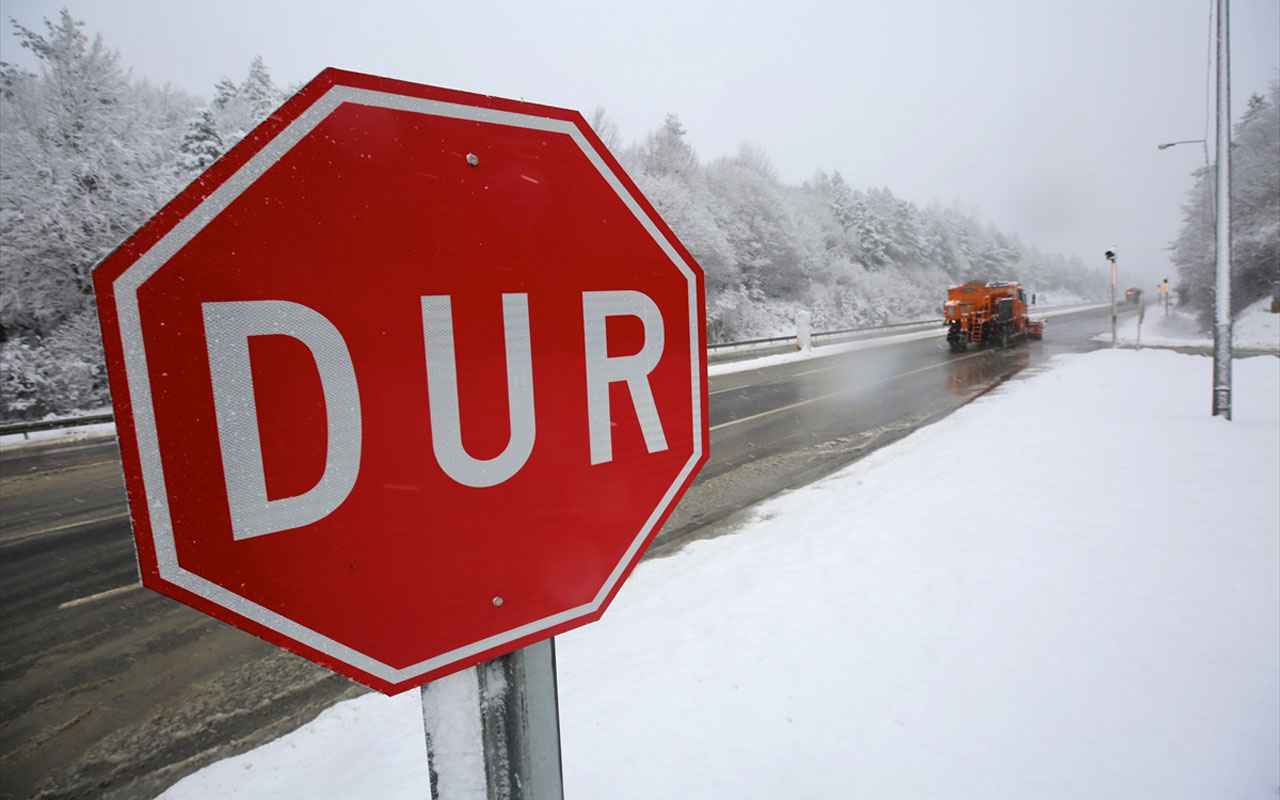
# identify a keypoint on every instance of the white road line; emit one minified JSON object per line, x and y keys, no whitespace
{"x":780,"y":380}
{"x":99,"y":596}
{"x":835,"y":394}
{"x":56,"y":528}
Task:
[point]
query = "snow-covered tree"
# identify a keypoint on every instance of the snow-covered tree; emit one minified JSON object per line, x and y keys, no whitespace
{"x":850,"y":257}
{"x":1255,"y":215}
{"x":237,"y":108}
{"x":201,"y":145}
{"x":224,"y":93}
{"x":665,"y":151}
{"x":606,"y":129}
{"x":85,"y":158}
{"x":754,"y":214}
{"x":259,"y":91}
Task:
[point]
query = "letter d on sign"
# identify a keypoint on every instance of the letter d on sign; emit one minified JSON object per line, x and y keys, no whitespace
{"x":227,"y":328}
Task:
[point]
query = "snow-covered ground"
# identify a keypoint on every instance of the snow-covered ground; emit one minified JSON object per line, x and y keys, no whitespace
{"x":1069,"y":588}
{"x":1256,"y":328}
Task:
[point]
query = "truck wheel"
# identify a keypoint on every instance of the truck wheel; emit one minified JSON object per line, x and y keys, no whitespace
{"x":1004,"y":337}
{"x":959,"y":345}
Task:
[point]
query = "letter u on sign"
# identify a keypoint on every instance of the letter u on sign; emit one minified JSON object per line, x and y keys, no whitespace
{"x":442,"y":393}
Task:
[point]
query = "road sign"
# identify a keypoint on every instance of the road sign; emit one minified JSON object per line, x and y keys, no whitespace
{"x":407,"y":380}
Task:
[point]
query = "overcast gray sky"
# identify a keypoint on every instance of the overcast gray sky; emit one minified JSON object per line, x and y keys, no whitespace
{"x":1043,"y":117}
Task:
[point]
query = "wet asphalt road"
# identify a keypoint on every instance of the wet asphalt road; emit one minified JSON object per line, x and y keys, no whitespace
{"x":108,"y":690}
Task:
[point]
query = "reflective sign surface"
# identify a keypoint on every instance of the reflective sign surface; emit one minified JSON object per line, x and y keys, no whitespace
{"x":406,"y":380}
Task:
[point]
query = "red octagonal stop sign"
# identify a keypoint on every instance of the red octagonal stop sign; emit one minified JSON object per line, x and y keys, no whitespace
{"x":407,"y":380}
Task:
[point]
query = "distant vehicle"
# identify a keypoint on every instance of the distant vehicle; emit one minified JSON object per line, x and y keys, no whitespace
{"x":992,"y":313}
{"x":1133,"y":296}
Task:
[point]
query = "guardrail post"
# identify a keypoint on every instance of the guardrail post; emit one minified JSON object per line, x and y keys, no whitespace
{"x":803,"y":341}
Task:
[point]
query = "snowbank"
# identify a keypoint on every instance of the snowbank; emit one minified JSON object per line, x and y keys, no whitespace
{"x":1255,"y":328}
{"x":1070,"y":588}
{"x":76,"y":433}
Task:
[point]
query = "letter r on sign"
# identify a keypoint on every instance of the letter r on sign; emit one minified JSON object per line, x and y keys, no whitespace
{"x":634,"y":369}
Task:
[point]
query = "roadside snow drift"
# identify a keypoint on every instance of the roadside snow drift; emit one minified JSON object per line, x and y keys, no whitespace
{"x":1254,"y":328}
{"x":1070,"y":588}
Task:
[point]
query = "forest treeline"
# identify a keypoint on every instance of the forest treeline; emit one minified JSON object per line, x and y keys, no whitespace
{"x":848,"y":256}
{"x":87,"y":154}
{"x":1255,"y":216}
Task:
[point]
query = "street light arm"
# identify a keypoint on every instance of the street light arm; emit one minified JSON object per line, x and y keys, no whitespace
{"x":1167,"y":145}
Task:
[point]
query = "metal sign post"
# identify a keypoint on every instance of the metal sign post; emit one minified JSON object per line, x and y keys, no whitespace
{"x":493,"y":731}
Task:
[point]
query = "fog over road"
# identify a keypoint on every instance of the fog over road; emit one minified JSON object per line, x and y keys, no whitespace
{"x":110,"y":690}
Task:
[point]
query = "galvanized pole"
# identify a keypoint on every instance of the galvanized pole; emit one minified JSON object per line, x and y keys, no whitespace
{"x":1222,"y":271}
{"x":520,"y":714}
{"x":1142,"y":312}
{"x":1111,"y":256}
{"x":493,"y":732}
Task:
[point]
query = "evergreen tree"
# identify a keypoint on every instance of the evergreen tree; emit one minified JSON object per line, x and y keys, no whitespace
{"x":259,"y":92}
{"x":237,"y":109}
{"x":665,"y":152}
{"x":201,"y":145}
{"x":846,"y":212}
{"x":224,"y":93}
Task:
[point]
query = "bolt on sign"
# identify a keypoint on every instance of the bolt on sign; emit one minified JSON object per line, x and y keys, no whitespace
{"x":407,"y":380}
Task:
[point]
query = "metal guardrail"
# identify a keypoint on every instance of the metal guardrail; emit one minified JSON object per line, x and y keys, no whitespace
{"x":53,"y":424}
{"x":749,"y":343}
{"x":846,"y":331}
{"x":71,"y":422}
{"x":817,"y":334}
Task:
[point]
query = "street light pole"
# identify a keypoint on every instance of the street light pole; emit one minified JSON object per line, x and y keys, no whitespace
{"x":1222,"y":266}
{"x":1222,"y":222}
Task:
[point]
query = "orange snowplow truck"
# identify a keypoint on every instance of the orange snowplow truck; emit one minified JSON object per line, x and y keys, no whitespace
{"x":994,"y":313}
